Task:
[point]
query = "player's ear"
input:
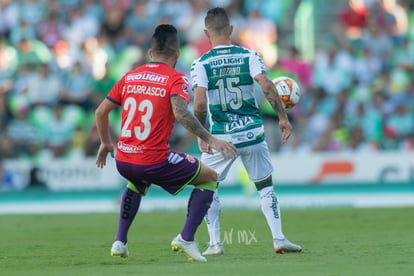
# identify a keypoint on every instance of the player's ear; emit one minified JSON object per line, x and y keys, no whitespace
{"x":231,"y":30}
{"x":177,"y":53}
{"x":207,"y":34}
{"x":150,"y":53}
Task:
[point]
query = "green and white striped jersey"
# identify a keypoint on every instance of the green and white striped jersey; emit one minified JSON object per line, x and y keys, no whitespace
{"x":227,"y":72}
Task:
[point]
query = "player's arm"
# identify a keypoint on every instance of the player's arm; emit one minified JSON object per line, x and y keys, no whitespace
{"x":200,"y":111}
{"x":200,"y":104}
{"x":102,"y":125}
{"x":270,"y":92}
{"x":200,"y":83}
{"x":191,"y":123}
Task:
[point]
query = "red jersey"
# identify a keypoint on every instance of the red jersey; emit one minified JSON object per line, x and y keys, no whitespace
{"x":147,"y":116}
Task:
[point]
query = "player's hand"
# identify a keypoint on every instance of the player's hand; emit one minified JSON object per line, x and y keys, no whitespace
{"x":103,"y":151}
{"x":204,"y":146}
{"x":286,"y":129}
{"x":226,"y":149}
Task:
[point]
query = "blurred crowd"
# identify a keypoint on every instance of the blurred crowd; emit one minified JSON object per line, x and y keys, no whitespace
{"x":59,"y":59}
{"x":360,"y":96}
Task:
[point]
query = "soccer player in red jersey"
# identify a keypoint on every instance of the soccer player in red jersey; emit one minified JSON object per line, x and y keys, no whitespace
{"x":151,"y":96}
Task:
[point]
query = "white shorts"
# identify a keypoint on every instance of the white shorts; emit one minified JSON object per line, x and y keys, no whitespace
{"x":255,"y":158}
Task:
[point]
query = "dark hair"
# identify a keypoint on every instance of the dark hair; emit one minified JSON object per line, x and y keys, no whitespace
{"x":217,"y":21}
{"x":164,"y":40}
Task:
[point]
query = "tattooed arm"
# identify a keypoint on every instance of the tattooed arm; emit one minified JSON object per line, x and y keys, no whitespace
{"x":273,"y":98}
{"x":200,"y":111}
{"x":190,"y":122}
{"x":200,"y":105}
{"x":270,"y":92}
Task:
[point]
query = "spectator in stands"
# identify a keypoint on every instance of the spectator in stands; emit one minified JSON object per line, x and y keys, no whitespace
{"x":94,"y":57}
{"x":403,"y":55}
{"x":43,"y":87}
{"x":140,"y":23}
{"x":391,"y":17}
{"x":377,"y":41}
{"x":32,"y":52}
{"x":356,"y":141}
{"x":32,"y":11}
{"x":81,"y":27}
{"x":78,"y":87}
{"x":354,"y":17}
{"x":8,"y":63}
{"x":330,"y":73}
{"x":114,"y":28}
{"x":6,"y":178}
{"x":400,"y":126}
{"x":49,"y":29}
{"x":260,"y":34}
{"x":295,"y":65}
{"x":102,"y":86}
{"x":373,"y":121}
{"x":366,"y":67}
{"x":9,"y":16}
{"x":22,"y":31}
{"x":58,"y":133}
{"x":23,"y":134}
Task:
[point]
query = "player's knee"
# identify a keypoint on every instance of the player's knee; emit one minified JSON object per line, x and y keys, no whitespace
{"x":263,"y":184}
{"x":215,"y":205}
{"x":210,"y":186}
{"x":211,"y":174}
{"x":214,"y":175}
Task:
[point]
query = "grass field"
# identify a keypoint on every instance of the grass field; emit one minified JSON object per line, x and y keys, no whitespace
{"x":335,"y":242}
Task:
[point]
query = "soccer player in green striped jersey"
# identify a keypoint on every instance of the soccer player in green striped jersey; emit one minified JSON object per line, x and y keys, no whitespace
{"x":223,"y":83}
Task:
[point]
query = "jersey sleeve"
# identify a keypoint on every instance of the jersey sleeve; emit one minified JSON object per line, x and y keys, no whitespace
{"x":256,"y":64}
{"x":198,"y":75}
{"x":115,"y":95}
{"x":180,"y":88}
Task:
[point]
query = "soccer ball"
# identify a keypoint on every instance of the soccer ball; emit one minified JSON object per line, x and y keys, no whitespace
{"x":289,"y":91}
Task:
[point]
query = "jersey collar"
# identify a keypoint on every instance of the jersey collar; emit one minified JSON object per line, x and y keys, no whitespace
{"x":157,"y":62}
{"x":223,"y":46}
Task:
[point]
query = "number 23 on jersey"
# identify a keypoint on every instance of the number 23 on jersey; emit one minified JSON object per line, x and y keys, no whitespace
{"x":142,"y":127}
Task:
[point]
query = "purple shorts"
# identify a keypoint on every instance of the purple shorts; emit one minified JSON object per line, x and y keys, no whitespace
{"x":172,"y":175}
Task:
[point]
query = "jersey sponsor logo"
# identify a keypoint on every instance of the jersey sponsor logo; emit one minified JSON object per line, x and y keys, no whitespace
{"x":226,"y":51}
{"x":186,"y":85}
{"x":129,"y":148}
{"x":175,"y":158}
{"x":240,"y":137}
{"x":190,"y":158}
{"x":147,"y":77}
{"x":146,"y":90}
{"x":237,"y":122}
{"x":226,"y":61}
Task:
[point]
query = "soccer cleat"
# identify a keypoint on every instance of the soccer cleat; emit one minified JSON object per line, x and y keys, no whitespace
{"x":119,"y":249}
{"x":188,"y":248}
{"x":216,"y":249}
{"x":285,"y":246}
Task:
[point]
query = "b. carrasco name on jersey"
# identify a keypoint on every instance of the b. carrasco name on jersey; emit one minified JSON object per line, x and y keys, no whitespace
{"x":147,"y":77}
{"x":146,"y":90}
